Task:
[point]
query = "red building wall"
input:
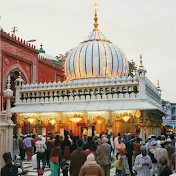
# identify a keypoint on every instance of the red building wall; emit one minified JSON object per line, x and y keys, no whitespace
{"x":18,"y":55}
{"x":46,"y":73}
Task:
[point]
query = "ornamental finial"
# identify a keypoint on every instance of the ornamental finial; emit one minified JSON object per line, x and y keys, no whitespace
{"x":19,"y":75}
{"x":158,"y":84}
{"x":95,"y":17}
{"x":141,"y":66}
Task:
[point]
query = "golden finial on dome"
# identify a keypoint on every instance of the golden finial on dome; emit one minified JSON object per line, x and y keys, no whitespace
{"x":95,"y":17}
{"x":141,"y":66}
{"x":158,"y":84}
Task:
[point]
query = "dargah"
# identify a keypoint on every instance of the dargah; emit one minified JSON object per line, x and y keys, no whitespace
{"x":97,"y":94}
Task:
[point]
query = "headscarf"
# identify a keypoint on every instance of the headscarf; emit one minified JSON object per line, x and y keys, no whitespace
{"x":90,"y":159}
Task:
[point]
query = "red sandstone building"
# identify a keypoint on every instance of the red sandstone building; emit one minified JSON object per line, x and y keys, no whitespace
{"x":17,"y":55}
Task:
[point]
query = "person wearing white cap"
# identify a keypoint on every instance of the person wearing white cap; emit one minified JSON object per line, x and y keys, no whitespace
{"x":40,"y":150}
{"x":143,"y":163}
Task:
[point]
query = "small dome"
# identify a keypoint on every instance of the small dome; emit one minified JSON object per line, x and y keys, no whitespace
{"x":41,"y":50}
{"x":95,"y":57}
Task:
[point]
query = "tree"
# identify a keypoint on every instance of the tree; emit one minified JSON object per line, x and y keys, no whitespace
{"x":132,"y":68}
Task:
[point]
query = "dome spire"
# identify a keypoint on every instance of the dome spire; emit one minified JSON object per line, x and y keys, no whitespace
{"x":95,"y":17}
{"x":158,"y":84}
{"x":141,"y":66}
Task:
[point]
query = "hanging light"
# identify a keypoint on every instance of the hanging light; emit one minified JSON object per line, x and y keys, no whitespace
{"x":126,"y":118}
{"x":138,"y":113}
{"x":31,"y":120}
{"x":99,"y":121}
{"x":52,"y":121}
{"x":75,"y":119}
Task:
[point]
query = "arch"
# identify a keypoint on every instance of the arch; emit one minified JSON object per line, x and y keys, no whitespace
{"x":10,"y":69}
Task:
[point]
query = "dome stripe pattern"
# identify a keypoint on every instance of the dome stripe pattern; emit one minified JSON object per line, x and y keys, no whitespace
{"x":95,"y":57}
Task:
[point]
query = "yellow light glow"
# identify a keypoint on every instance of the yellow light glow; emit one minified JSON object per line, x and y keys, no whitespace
{"x":31,"y":120}
{"x":75,"y":119}
{"x":99,"y":121}
{"x":72,"y":113}
{"x":37,"y":114}
{"x":48,"y":113}
{"x":125,"y":111}
{"x":95,"y":6}
{"x":52,"y":121}
{"x":27,"y":114}
{"x":138,"y":114}
{"x":97,"y":112}
{"x":126,"y":118}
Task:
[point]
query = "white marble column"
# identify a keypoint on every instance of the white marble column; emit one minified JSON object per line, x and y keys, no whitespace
{"x":43,"y":130}
{"x":89,"y":131}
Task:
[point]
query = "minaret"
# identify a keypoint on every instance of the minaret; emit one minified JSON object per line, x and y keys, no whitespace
{"x":141,"y":70}
{"x":7,"y":124}
{"x":95,"y":17}
{"x":141,"y":79}
{"x":8,"y":93}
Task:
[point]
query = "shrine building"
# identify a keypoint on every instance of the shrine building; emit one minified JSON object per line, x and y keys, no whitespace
{"x":98,"y":94}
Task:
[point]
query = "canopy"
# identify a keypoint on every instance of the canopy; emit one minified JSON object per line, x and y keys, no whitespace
{"x":85,"y":106}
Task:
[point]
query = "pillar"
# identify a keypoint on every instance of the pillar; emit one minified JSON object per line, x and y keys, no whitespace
{"x":142,"y":135}
{"x":34,"y":131}
{"x":19,"y":130}
{"x":62,"y":132}
{"x":89,"y":131}
{"x":43,"y":130}
{"x":56,"y":127}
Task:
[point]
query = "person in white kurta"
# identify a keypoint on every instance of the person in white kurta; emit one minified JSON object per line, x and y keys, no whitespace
{"x":143,"y":163}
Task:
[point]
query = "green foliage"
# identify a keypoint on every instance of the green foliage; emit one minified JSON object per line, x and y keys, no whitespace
{"x":132,"y":68}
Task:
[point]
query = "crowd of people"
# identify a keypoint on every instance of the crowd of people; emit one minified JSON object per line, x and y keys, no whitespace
{"x":95,"y":155}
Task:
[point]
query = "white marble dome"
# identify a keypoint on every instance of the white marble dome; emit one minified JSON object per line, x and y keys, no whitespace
{"x":95,"y":57}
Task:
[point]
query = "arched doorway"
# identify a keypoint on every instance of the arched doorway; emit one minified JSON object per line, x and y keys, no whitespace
{"x":13,"y":76}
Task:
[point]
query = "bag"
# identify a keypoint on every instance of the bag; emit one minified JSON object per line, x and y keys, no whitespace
{"x":118,"y":164}
{"x":54,"y":159}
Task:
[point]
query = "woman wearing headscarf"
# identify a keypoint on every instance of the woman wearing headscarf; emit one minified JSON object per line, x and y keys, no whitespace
{"x":165,"y":169}
{"x":65,"y":147}
{"x":54,"y":159}
{"x":91,"y":167}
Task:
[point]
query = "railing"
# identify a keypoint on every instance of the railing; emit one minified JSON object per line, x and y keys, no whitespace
{"x":151,"y":91}
{"x":80,"y":90}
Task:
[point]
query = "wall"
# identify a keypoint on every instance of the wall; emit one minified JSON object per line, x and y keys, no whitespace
{"x":17,"y":54}
{"x":47,"y":72}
